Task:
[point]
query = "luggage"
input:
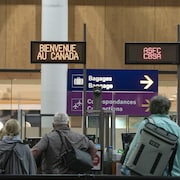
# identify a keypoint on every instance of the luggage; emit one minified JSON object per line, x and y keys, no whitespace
{"x":75,"y":159}
{"x":153,"y":151}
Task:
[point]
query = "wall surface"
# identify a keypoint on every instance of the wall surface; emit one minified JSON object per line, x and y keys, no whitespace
{"x":20,"y":23}
{"x":109,"y":24}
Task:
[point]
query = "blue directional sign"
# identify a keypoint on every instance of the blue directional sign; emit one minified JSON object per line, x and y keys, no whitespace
{"x":114,"y":80}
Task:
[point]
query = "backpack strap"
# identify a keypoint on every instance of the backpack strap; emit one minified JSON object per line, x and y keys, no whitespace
{"x":171,"y":160}
{"x":149,"y":119}
{"x":6,"y":161}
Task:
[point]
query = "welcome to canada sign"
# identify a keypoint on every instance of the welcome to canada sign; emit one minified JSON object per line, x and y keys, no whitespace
{"x":58,"y":52}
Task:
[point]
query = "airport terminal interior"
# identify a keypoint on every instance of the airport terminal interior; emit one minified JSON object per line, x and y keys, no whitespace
{"x":23,"y":96}
{"x":109,"y":25}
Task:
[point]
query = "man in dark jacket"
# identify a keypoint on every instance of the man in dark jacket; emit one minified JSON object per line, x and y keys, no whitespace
{"x":51,"y":146}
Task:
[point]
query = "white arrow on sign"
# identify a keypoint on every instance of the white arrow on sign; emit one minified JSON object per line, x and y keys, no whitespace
{"x":148,"y":81}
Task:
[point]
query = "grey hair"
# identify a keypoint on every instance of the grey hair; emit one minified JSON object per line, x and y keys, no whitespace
{"x":61,"y":118}
{"x":159,"y":105}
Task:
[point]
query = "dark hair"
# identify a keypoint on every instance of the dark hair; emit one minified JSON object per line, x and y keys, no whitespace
{"x":159,"y":105}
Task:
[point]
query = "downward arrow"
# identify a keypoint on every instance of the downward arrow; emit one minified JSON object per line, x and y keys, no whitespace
{"x":148,"y":81}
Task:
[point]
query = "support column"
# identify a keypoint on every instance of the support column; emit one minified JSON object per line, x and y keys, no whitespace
{"x":178,"y":85}
{"x":53,"y":76}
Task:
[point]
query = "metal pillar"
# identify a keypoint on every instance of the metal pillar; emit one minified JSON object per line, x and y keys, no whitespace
{"x":178,"y":86}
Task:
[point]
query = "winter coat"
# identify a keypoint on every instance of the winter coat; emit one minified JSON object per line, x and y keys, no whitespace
{"x":16,"y":158}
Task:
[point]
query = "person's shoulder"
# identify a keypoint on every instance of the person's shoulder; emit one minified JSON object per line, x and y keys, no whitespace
{"x":48,"y":135}
{"x":174,"y":126}
{"x":2,"y":142}
{"x":5,"y":145}
{"x":78,"y":135}
{"x":21,"y":145}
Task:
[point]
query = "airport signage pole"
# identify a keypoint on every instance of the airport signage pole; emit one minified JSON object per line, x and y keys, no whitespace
{"x":84,"y":90}
{"x":178,"y":86}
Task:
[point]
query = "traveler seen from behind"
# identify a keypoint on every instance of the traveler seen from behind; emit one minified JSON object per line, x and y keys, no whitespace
{"x":159,"y":108}
{"x":51,"y":148}
{"x":16,"y":157}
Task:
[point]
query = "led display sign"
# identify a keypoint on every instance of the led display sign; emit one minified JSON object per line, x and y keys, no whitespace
{"x":58,"y":52}
{"x":152,"y":53}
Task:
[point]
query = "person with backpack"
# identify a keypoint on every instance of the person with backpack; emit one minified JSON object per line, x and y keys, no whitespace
{"x":15,"y":157}
{"x":51,"y":148}
{"x":159,"y":108}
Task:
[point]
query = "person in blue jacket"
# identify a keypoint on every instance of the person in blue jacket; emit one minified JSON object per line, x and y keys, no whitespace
{"x":159,"y":108}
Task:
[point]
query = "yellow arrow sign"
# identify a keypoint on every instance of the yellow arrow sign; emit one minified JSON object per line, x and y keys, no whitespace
{"x":146,"y":105}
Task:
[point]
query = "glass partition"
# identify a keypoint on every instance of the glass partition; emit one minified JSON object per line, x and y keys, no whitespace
{"x":20,"y":94}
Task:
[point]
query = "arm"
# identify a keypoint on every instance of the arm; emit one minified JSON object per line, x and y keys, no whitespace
{"x":39,"y":147}
{"x":92,"y":149}
{"x":35,"y":151}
